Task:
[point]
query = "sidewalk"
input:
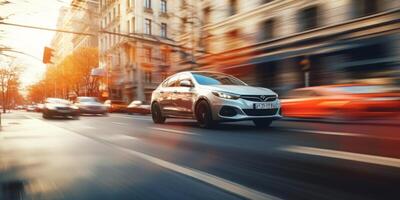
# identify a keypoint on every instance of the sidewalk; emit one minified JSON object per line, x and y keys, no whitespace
{"x":377,"y":122}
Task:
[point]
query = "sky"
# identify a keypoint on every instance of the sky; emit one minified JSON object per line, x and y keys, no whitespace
{"x":42,"y":13}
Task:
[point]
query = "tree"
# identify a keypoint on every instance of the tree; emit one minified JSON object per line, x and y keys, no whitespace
{"x":9,"y":75}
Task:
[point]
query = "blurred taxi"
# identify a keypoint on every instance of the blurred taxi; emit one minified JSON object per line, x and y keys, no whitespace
{"x":342,"y":102}
{"x":115,"y":105}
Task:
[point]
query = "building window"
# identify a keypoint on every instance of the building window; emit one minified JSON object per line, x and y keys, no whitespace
{"x":147,"y":76}
{"x":119,"y":10}
{"x":163,"y":6}
{"x":308,"y":18}
{"x":206,"y":15}
{"x":164,"y":56}
{"x":362,"y":8}
{"x":267,"y":30}
{"x":133,"y":27}
{"x":128,"y":26}
{"x":128,"y":3}
{"x":114,"y":12}
{"x":147,"y":4}
{"x":233,"y":7}
{"x":232,"y":39}
{"x":164,"y":30}
{"x":147,"y":55}
{"x":147,"y":26}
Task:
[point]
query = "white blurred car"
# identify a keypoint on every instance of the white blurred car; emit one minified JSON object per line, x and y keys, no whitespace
{"x":90,"y":105}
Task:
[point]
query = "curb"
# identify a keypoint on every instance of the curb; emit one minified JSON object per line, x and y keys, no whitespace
{"x":394,"y":122}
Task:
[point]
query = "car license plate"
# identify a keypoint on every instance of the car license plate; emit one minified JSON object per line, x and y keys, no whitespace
{"x":268,"y":105}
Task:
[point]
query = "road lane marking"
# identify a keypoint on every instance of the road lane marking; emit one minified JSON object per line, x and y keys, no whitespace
{"x":342,"y":134}
{"x":120,"y":123}
{"x":136,"y":118}
{"x":174,"y":131}
{"x":205,"y":177}
{"x":326,"y":132}
{"x":372,"y":159}
{"x":218,"y":182}
{"x":119,"y":137}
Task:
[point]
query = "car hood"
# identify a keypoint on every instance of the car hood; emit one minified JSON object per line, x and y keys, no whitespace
{"x":241,"y":89}
{"x":58,"y":105}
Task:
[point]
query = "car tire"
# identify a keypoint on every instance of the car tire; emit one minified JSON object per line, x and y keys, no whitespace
{"x":262,"y":123}
{"x":44,"y":115}
{"x":203,"y":115}
{"x":156,"y":114}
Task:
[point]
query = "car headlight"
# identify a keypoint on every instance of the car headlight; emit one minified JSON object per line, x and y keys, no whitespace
{"x":226,"y":95}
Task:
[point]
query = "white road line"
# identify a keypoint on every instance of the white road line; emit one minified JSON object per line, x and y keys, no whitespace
{"x":174,"y":131}
{"x":327,"y":132}
{"x":215,"y":181}
{"x":136,"y":118}
{"x":120,"y":123}
{"x":343,"y":134}
{"x":119,"y":137}
{"x":378,"y":160}
{"x":218,"y":182}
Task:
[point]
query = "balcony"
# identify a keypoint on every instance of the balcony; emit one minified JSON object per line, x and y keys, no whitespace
{"x":148,"y":10}
{"x":164,"y":14}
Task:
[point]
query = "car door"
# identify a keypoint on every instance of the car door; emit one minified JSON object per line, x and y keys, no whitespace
{"x":167,"y":99}
{"x":184,"y":96}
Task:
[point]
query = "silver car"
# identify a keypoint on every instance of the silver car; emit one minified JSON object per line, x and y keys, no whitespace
{"x":90,"y":105}
{"x":211,"y":97}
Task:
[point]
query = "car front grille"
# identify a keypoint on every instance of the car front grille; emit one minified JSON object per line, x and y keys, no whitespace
{"x":260,"y":112}
{"x":259,"y":98}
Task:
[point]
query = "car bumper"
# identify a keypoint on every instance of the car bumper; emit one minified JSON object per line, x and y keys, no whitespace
{"x":244,"y":110}
{"x":62,"y":112}
{"x":92,"y":111}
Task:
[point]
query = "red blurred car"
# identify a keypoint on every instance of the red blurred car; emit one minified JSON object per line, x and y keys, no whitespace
{"x":342,"y":102}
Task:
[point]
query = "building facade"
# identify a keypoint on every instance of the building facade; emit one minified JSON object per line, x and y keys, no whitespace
{"x":135,"y":45}
{"x":79,"y":17}
{"x":285,"y":44}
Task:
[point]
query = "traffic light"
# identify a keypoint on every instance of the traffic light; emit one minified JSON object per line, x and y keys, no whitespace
{"x":47,"y":55}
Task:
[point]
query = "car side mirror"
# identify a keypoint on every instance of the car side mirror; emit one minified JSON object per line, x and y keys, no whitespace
{"x":185,"y":83}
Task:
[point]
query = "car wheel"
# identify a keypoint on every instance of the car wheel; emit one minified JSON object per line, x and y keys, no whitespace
{"x":262,"y":123}
{"x":44,"y":115}
{"x":204,"y":115}
{"x":156,"y":114}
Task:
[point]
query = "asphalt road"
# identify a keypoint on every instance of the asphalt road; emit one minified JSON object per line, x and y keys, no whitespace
{"x":128,"y":157}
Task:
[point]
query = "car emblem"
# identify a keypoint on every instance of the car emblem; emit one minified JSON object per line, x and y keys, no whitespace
{"x":263,"y":97}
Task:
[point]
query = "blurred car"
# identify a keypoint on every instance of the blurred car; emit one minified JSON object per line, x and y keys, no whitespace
{"x":342,"y":102}
{"x":90,"y":105}
{"x":138,"y":107}
{"x":19,"y":107}
{"x":115,"y":106}
{"x":211,"y":97}
{"x":31,"y":108}
{"x":39,"y":107}
{"x":59,"y":107}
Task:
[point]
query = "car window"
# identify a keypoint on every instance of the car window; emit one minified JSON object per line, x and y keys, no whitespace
{"x":207,"y":78}
{"x":165,"y":83}
{"x":172,"y":82}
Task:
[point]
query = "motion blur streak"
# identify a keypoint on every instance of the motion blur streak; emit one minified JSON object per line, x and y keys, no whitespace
{"x":378,"y":160}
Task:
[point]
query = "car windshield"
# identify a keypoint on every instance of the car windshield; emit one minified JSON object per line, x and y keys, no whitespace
{"x":88,"y":99}
{"x":361,"y":89}
{"x":57,"y":101}
{"x":205,"y":78}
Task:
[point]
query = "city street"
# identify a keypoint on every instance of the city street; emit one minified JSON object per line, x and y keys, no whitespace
{"x":123,"y":156}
